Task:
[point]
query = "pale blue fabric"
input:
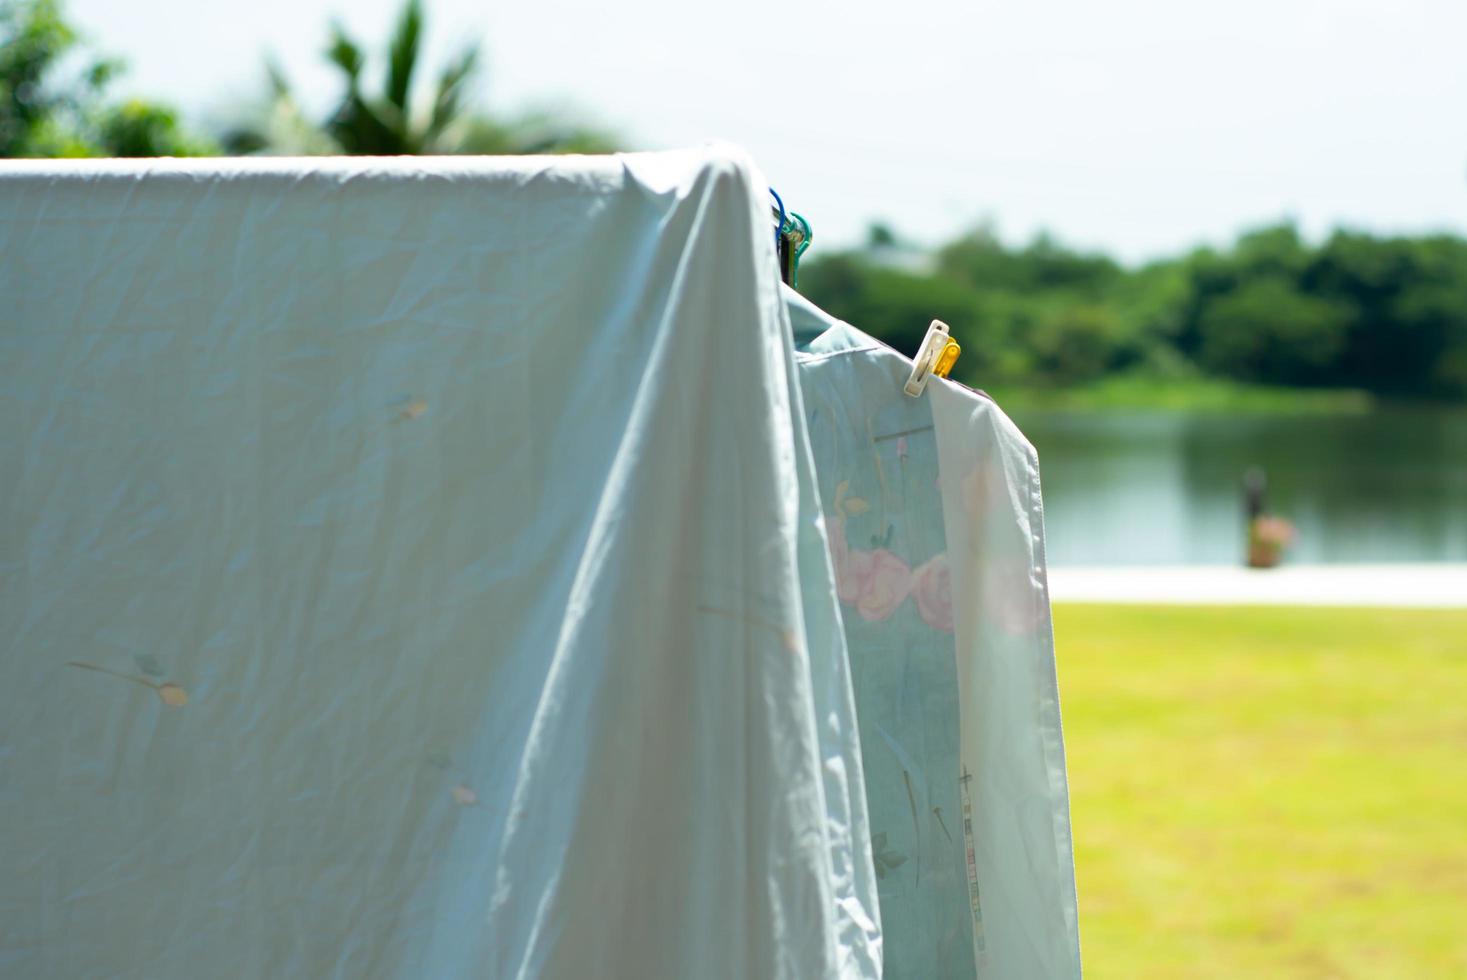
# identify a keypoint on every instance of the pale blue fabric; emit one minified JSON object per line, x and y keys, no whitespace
{"x":408,"y":569}
{"x":417,"y":568}
{"x":876,"y":456}
{"x":933,"y":511}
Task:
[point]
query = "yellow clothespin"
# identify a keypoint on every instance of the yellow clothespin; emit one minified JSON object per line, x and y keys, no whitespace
{"x":936,"y":356}
{"x":947,"y":359}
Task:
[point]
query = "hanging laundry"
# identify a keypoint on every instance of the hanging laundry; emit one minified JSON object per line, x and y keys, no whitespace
{"x":402,"y":575}
{"x":935,"y":526}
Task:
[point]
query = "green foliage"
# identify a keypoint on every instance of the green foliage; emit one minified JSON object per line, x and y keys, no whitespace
{"x":33,"y":38}
{"x":1384,"y":315}
{"x":1265,"y":328}
{"x":135,"y":128}
{"x":980,"y":259}
{"x":48,"y":110}
{"x":394,"y":122}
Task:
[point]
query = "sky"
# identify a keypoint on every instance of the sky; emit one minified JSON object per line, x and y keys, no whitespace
{"x":1140,"y":127}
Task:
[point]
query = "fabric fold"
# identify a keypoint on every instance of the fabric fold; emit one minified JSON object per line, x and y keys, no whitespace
{"x":406,"y":569}
{"x":937,"y":545}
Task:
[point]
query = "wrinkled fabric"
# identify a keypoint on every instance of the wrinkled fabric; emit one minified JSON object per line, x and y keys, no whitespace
{"x":408,"y":569}
{"x":937,"y":544}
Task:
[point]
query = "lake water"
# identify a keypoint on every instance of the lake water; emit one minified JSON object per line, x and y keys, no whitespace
{"x":1152,"y":488}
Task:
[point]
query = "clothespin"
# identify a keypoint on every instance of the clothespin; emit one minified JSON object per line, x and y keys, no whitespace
{"x":792,"y":236}
{"x":935,"y":357}
{"x":798,"y":236}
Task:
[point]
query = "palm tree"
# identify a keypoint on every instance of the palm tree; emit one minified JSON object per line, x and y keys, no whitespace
{"x":391,"y":123}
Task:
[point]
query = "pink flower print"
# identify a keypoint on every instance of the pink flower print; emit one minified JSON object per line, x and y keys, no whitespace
{"x":875,"y":582}
{"x":849,"y":567}
{"x":885,"y":582}
{"x":1010,"y":595}
{"x":932,"y":587}
{"x":978,"y":494}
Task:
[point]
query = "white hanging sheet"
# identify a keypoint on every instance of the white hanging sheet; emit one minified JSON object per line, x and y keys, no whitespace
{"x":400,"y":576}
{"x":937,"y":535}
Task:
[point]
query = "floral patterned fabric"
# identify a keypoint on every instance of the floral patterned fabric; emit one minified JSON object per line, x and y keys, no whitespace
{"x":932,"y":510}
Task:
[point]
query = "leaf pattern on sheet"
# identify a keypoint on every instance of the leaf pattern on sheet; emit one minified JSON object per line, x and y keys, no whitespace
{"x":172,"y":695}
{"x":148,"y":664}
{"x":886,"y":859}
{"x":937,"y":812}
{"x":169,"y":693}
{"x":412,"y":408}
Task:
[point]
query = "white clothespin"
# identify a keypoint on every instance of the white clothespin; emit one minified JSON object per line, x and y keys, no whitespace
{"x":934,"y":357}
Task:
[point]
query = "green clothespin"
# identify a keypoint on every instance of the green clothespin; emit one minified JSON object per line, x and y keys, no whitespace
{"x":800,"y":238}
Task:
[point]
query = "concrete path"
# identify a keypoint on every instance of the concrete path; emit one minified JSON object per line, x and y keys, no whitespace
{"x":1441,"y":586}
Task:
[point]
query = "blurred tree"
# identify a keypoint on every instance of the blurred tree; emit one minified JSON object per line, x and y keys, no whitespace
{"x":136,"y":128}
{"x":1410,"y":333}
{"x":880,"y":235}
{"x":391,"y":122}
{"x":1075,"y":342}
{"x":1272,"y":250}
{"x":1386,"y":315}
{"x":278,"y":125}
{"x":901,"y":304}
{"x":48,"y":111}
{"x":982,"y":260}
{"x":1266,"y":329}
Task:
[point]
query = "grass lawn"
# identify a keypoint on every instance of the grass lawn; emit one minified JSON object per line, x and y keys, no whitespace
{"x":1265,"y":792}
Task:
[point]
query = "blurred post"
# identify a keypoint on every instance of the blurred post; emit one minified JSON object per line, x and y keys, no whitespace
{"x":1268,"y":536}
{"x":1255,"y":485}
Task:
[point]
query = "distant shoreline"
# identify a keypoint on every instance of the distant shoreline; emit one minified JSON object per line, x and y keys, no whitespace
{"x":1130,"y":393}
